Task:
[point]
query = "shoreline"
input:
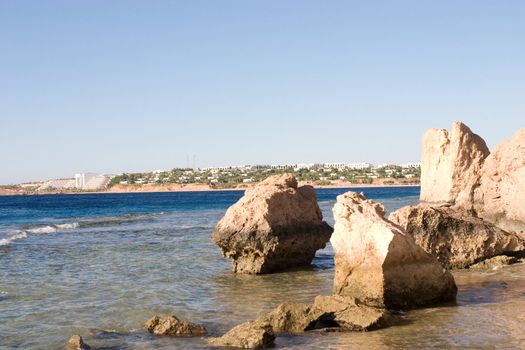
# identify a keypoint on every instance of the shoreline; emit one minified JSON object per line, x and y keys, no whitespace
{"x":193,"y":188}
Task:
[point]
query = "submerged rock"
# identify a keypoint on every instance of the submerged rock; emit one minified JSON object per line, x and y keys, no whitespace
{"x":451,"y":165}
{"x":454,"y":237}
{"x":77,"y":343}
{"x":171,"y":325}
{"x":343,"y":312}
{"x":248,"y":335}
{"x":380,"y":265}
{"x":291,"y":317}
{"x":274,"y":226}
{"x":496,"y":262}
{"x":501,"y":195}
{"x":332,"y":311}
{"x":327,"y":312}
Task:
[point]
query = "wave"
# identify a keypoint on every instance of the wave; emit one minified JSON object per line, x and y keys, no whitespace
{"x":92,"y":222}
{"x":52,"y":228}
{"x":118,"y":220}
{"x":21,"y":234}
{"x":15,"y":237}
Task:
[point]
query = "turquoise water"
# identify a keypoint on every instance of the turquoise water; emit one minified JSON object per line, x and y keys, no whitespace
{"x":99,"y":265}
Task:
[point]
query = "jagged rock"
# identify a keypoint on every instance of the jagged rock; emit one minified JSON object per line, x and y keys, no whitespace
{"x":454,"y":237}
{"x":345,"y":313}
{"x":501,"y":195}
{"x":274,"y":226}
{"x":379,"y":264}
{"x":496,"y":262}
{"x":291,"y":317}
{"x":332,"y":311}
{"x":171,"y":325}
{"x":451,"y":165}
{"x":77,"y":343}
{"x":248,"y":335}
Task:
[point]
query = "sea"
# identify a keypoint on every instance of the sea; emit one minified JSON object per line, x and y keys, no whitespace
{"x":100,"y":265}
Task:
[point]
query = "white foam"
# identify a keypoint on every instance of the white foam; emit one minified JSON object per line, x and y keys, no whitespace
{"x":38,"y":230}
{"x":43,"y":229}
{"x":52,"y":228}
{"x":70,"y":226}
{"x":6,"y":241}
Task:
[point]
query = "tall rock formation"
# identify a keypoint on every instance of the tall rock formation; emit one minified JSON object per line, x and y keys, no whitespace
{"x":379,"y":264}
{"x":451,"y":165}
{"x":501,"y":196}
{"x":274,"y":226}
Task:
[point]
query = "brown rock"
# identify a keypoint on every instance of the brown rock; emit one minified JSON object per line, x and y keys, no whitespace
{"x":248,"y":335}
{"x":274,"y":226}
{"x":345,"y":313}
{"x":171,"y":325}
{"x":291,"y":317}
{"x":451,"y":165}
{"x":327,"y":312}
{"x":455,"y":238}
{"x":501,"y":196}
{"x":77,"y":343}
{"x":496,"y":262}
{"x":379,"y":264}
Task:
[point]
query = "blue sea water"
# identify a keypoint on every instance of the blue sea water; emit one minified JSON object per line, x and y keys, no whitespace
{"x":99,"y":265}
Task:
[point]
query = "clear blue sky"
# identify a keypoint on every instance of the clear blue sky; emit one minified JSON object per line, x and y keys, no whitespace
{"x":113,"y":86}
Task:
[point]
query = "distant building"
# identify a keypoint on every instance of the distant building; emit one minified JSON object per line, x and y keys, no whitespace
{"x":91,"y":181}
{"x":283,"y":166}
{"x":411,"y":165}
{"x":59,"y":184}
{"x":335,"y":165}
{"x":359,"y":165}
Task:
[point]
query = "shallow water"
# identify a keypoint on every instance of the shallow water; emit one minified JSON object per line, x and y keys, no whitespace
{"x":100,"y":265}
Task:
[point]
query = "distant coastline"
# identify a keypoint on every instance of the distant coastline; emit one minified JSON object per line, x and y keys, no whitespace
{"x":149,"y":188}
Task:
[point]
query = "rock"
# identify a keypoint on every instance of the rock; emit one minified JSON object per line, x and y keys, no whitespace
{"x":171,"y":325}
{"x":379,"y":264}
{"x":248,"y":335}
{"x":501,"y":195}
{"x":274,"y":226}
{"x":77,"y":343}
{"x":451,"y":165}
{"x":291,"y":317}
{"x":327,"y":312}
{"x":345,"y":313}
{"x":454,"y":237}
{"x":496,"y":262}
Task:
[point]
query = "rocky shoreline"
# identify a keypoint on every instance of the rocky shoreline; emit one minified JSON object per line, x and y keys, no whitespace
{"x":470,"y":216}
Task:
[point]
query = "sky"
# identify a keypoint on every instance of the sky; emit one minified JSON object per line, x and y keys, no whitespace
{"x":123,"y":86}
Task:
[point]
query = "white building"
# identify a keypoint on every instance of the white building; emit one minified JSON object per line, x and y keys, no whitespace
{"x":90,"y":181}
{"x":335,"y":165}
{"x":411,"y":165}
{"x":282,"y":166}
{"x":359,"y":165}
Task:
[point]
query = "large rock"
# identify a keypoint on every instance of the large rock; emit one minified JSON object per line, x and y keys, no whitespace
{"x":248,"y":335}
{"x":274,"y":226}
{"x":171,"y":325}
{"x":379,"y":264}
{"x":451,"y":165}
{"x":501,"y":196}
{"x":454,"y":237}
